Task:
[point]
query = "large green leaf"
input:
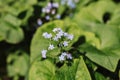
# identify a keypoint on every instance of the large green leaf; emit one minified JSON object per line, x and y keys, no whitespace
{"x":39,"y":42}
{"x":12,"y":20}
{"x":77,"y":71}
{"x":41,"y":71}
{"x":11,"y":33}
{"x":17,"y":64}
{"x":107,"y":58}
{"x":108,"y":35}
{"x":10,"y":29}
{"x":115,"y":18}
{"x":94,"y":13}
{"x":91,"y":19}
{"x":22,"y":9}
{"x":16,"y":7}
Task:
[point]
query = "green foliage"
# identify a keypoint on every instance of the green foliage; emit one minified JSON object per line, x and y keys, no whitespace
{"x":98,"y":48}
{"x":39,"y":42}
{"x":99,"y":76}
{"x":18,"y":64}
{"x":95,"y":47}
{"x":94,"y":14}
{"x":91,"y":18}
{"x":110,"y":58}
{"x":76,"y":71}
{"x":10,"y":30}
{"x":40,"y":70}
{"x":10,"y":23}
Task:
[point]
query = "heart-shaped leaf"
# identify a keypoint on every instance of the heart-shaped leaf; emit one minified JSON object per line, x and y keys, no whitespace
{"x":39,"y":42}
{"x":107,"y":58}
{"x":41,"y":71}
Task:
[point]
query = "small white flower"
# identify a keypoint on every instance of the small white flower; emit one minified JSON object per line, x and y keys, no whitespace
{"x":43,"y":10}
{"x":65,"y":43}
{"x":39,"y":22}
{"x":63,"y":2}
{"x":55,"y":38}
{"x":65,"y":34}
{"x":59,"y":34}
{"x":56,"y":5}
{"x":61,"y":58}
{"x":46,"y":35}
{"x":49,"y":35}
{"x":51,"y":47}
{"x":43,"y":52}
{"x":64,"y":54}
{"x":71,"y":4}
{"x":69,"y":56}
{"x":70,"y":37}
{"x":49,"y":5}
{"x":47,"y":10}
{"x":58,"y":16}
{"x":57,"y":29}
{"x":47,"y":17}
{"x":53,"y":11}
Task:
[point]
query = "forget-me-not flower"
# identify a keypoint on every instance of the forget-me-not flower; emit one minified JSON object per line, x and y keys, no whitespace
{"x":65,"y":43}
{"x":43,"y":52}
{"x":46,"y":35}
{"x":51,"y":47}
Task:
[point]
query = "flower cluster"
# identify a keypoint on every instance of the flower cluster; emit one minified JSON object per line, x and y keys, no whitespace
{"x":65,"y":56}
{"x":47,"y":9}
{"x":70,"y":3}
{"x":50,"y":13}
{"x":51,"y":9}
{"x":62,"y":38}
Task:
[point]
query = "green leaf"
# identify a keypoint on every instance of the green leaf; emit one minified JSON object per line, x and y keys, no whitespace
{"x":1,"y":38}
{"x":39,"y":42}
{"x":115,"y":18}
{"x":92,"y":39}
{"x":105,"y":58}
{"x":17,"y":64}
{"x":12,"y":20}
{"x":103,"y":32}
{"x":81,"y":4}
{"x":20,"y":6}
{"x":42,"y":70}
{"x":77,"y":71}
{"x":11,"y":33}
{"x":94,"y":12}
{"x":90,"y":19}
{"x":82,"y":71}
{"x":99,"y":76}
